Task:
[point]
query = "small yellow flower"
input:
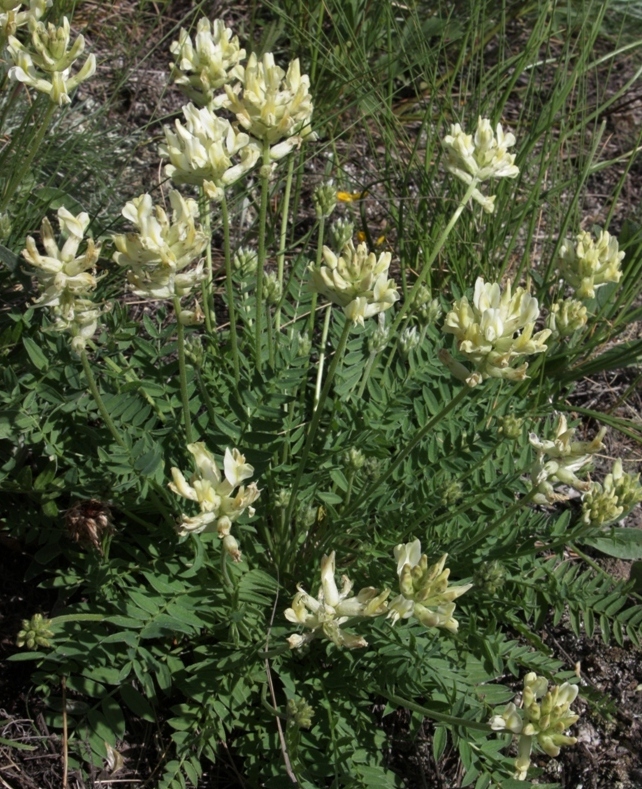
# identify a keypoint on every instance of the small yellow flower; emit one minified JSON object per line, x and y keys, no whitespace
{"x":351,"y":197}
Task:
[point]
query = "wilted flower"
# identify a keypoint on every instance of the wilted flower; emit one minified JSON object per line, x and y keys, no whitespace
{"x":88,"y":522}
{"x":325,"y":199}
{"x":201,"y":151}
{"x":218,"y":503}
{"x":495,"y":330}
{"x":35,"y":632}
{"x":589,"y":264}
{"x":203,"y":67}
{"x":566,"y":317}
{"x":47,"y":65}
{"x":355,"y":280}
{"x":159,"y":253}
{"x":13,"y":16}
{"x":480,"y":157}
{"x":603,"y":504}
{"x":425,"y":593}
{"x":341,"y":231}
{"x":273,"y":106}
{"x":559,"y":459}
{"x":324,"y":615}
{"x":545,"y":716}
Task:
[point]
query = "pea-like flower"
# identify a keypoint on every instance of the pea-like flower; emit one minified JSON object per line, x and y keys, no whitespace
{"x":13,"y":16}
{"x":203,"y":151}
{"x":222,"y":498}
{"x":46,"y":66}
{"x":158,"y":255}
{"x":425,"y":592}
{"x":332,"y":607}
{"x":589,"y":264}
{"x":545,"y":715}
{"x":495,"y":331}
{"x":603,"y":504}
{"x":559,"y":460}
{"x":479,"y":157}
{"x":566,"y":317}
{"x":355,"y":280}
{"x":202,"y":67}
{"x":273,"y":106}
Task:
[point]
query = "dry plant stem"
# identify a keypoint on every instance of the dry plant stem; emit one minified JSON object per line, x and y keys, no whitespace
{"x":260,"y":267}
{"x":207,"y":284}
{"x":378,"y":483}
{"x":229,"y":287}
{"x":280,"y":260}
{"x":425,"y":271}
{"x":25,"y":164}
{"x":316,"y":418}
{"x":324,"y":340}
{"x":182,"y":370}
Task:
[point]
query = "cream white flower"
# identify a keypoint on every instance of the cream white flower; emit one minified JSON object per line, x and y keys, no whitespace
{"x":62,"y":273}
{"x":355,"y":280}
{"x":215,"y":494}
{"x":273,"y":106}
{"x":603,"y":504}
{"x":159,"y":253}
{"x":332,"y":607}
{"x":566,"y":317}
{"x":480,"y":157}
{"x":46,"y":66}
{"x":211,"y":61}
{"x":78,"y":317}
{"x":588,"y":264}
{"x":425,"y":592}
{"x":207,"y":151}
{"x":13,"y":16}
{"x":496,"y":330}
{"x":558,"y":461}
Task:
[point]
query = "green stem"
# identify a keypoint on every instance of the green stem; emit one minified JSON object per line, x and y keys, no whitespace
{"x":260,"y":268}
{"x":280,"y":259}
{"x":25,"y":164}
{"x":437,"y":716}
{"x":208,"y":283}
{"x":324,"y":340}
{"x":378,"y":483}
{"x":425,"y":271}
{"x":366,"y":375}
{"x":229,"y":287}
{"x":316,"y":418}
{"x":589,"y":561}
{"x":182,"y":370}
{"x":319,"y":255}
{"x":93,"y":388}
{"x":521,"y":502}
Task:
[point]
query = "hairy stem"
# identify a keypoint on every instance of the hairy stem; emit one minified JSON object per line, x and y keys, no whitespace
{"x":182,"y":370}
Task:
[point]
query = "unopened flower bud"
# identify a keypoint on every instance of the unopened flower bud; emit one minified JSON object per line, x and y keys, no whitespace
{"x":379,"y":337}
{"x":341,"y":232}
{"x":408,"y":340}
{"x":300,"y":713}
{"x":304,"y":344}
{"x":325,"y":199}
{"x":282,"y":498}
{"x":511,"y":426}
{"x":490,"y":577}
{"x":272,"y":288}
{"x":231,"y":547}
{"x":35,"y":632}
{"x":567,"y":316}
{"x":427,"y":309}
{"x":5,"y":226}
{"x":354,"y":459}
{"x":245,"y":261}
{"x":451,"y":493}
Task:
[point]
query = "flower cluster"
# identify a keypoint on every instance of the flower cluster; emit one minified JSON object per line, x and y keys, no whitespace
{"x":201,"y":151}
{"x":159,"y":253}
{"x":46,"y":66}
{"x":355,"y":280}
{"x":66,"y":279}
{"x":494,"y":331}
{"x":544,"y":717}
{"x":588,"y":264}
{"x":13,"y":16}
{"x":219,"y":505}
{"x":558,"y":461}
{"x":603,"y":504}
{"x":35,"y":632}
{"x":202,"y":67}
{"x":566,"y":317}
{"x":272,"y":105}
{"x":479,"y":157}
{"x":424,"y":590}
{"x":324,"y":615}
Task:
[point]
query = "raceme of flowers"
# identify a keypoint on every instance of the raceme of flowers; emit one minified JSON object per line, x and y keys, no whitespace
{"x":13,"y":16}
{"x":46,"y":65}
{"x":605,"y":503}
{"x":324,"y":615}
{"x":356,"y":280}
{"x":159,"y":253}
{"x":479,"y":157}
{"x":544,"y":717}
{"x":203,"y":66}
{"x":65,"y":278}
{"x":588,"y":264}
{"x":558,"y":461}
{"x":272,"y":105}
{"x":222,"y":498}
{"x":201,"y":152}
{"x":424,"y":590}
{"x":493,"y":331}
{"x":566,"y":317}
